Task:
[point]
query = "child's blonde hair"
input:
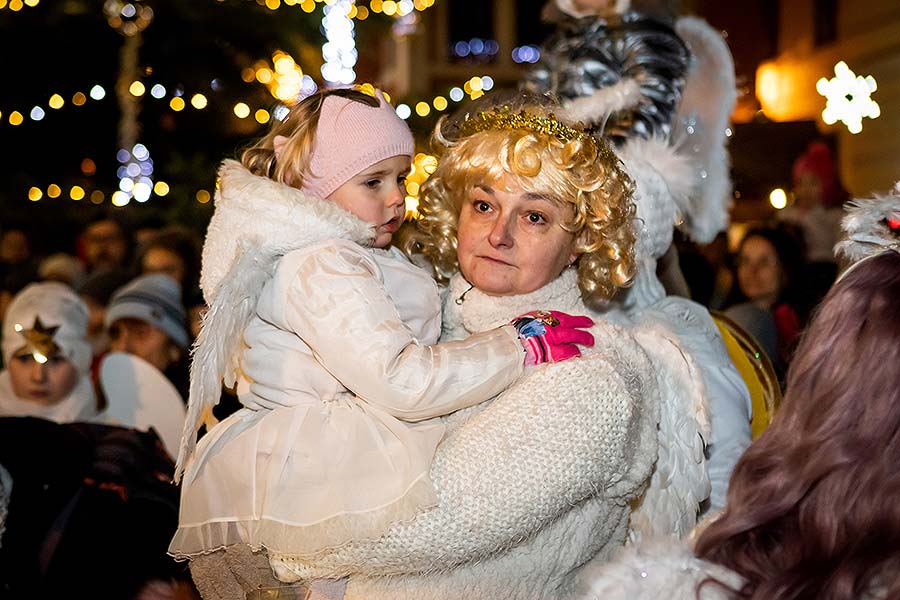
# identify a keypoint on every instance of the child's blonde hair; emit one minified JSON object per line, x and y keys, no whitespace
{"x":524,"y":142}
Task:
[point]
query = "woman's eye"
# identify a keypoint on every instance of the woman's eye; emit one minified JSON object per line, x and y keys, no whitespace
{"x":536,"y":218}
{"x":481,"y":206}
{"x":372,"y":183}
{"x":401,"y":181}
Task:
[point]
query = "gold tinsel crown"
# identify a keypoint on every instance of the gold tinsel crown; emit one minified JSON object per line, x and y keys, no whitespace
{"x":503,"y":118}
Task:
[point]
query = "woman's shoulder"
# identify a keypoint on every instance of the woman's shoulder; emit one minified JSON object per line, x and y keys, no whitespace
{"x":618,"y":344}
{"x":656,"y":568}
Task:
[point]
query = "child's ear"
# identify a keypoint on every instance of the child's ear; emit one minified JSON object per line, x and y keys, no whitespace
{"x":278,"y":144}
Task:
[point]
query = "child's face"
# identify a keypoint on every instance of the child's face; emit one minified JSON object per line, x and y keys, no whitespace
{"x":377,"y":195}
{"x":45,"y":383}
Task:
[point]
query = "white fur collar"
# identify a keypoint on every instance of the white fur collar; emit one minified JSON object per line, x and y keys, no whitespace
{"x":479,"y":312}
{"x":270,"y":219}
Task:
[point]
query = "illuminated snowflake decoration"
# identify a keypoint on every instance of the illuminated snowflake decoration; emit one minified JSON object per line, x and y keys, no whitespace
{"x":848,"y":98}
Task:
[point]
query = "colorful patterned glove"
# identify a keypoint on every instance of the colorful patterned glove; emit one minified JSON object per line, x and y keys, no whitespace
{"x":550,"y":336}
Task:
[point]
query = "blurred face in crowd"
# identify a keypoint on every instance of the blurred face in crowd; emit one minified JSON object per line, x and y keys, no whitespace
{"x":511,"y":241}
{"x":44,"y":383}
{"x":105,"y":245}
{"x":144,"y":235}
{"x":163,"y":260}
{"x":759,"y":271}
{"x":808,"y":190}
{"x":145,"y":341}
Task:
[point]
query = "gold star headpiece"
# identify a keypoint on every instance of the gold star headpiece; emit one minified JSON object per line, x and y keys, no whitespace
{"x":503,"y":118}
{"x":39,"y":340}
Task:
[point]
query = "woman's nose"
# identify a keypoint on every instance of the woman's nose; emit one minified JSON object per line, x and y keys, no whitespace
{"x":500,"y":235}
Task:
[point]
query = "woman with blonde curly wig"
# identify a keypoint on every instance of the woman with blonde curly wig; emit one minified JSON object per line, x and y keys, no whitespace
{"x":579,"y":180}
{"x":523,"y":212}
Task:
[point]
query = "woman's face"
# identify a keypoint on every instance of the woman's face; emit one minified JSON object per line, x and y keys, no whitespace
{"x":44,"y":383}
{"x":759,"y":271}
{"x":511,"y":241}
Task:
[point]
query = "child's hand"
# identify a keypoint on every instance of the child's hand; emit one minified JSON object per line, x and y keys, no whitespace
{"x":550,"y":336}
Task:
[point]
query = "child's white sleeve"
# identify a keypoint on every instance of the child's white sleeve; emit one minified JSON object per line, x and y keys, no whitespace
{"x":337,"y":304}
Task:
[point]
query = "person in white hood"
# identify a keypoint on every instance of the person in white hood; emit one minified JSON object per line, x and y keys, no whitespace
{"x":47,"y":356}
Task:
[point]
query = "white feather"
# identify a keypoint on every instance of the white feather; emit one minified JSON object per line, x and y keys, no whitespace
{"x":595,"y":108}
{"x":665,"y":180}
{"x":865,"y":230}
{"x":698,"y":129}
{"x":680,"y":481}
{"x":216,"y":352}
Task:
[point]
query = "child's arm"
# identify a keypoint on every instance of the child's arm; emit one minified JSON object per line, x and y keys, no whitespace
{"x":337,"y":304}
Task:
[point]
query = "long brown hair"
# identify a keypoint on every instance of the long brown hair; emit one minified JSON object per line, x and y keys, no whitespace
{"x":813,"y":508}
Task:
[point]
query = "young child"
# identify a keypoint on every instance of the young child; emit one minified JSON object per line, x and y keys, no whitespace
{"x":47,"y":356}
{"x":329,"y":334}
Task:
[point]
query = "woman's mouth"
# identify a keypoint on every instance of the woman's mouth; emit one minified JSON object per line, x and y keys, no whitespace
{"x":496,"y":261}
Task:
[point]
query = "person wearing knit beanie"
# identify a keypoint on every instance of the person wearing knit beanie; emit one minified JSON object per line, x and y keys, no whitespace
{"x":146,"y":318}
{"x":47,"y":356}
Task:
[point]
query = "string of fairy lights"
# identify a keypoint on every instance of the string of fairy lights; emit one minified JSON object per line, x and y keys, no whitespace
{"x":285,"y":82}
{"x":283,"y":78}
{"x":17,"y":5}
{"x":390,"y":8}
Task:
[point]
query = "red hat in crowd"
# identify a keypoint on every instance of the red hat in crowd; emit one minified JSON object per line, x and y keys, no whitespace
{"x":818,"y":160}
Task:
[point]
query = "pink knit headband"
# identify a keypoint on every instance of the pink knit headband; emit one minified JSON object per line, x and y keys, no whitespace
{"x":351,"y":137}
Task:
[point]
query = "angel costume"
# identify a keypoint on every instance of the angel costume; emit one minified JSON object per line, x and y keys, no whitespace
{"x":662,"y":90}
{"x":334,"y":342}
{"x":531,"y":485}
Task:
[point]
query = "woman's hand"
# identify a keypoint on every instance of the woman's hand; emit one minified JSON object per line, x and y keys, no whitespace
{"x":551,"y":336}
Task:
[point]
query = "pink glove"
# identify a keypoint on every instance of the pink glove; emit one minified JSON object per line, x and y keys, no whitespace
{"x":550,"y":336}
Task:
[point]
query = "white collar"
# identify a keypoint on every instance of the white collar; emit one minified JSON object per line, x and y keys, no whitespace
{"x":476,"y":311}
{"x":256,"y":214}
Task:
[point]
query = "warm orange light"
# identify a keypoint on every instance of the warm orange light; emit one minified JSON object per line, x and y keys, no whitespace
{"x":767,"y":86}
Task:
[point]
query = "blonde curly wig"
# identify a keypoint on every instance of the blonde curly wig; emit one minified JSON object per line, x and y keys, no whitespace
{"x":571,"y":169}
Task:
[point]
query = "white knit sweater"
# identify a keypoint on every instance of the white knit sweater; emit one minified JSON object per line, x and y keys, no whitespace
{"x":531,"y":485}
